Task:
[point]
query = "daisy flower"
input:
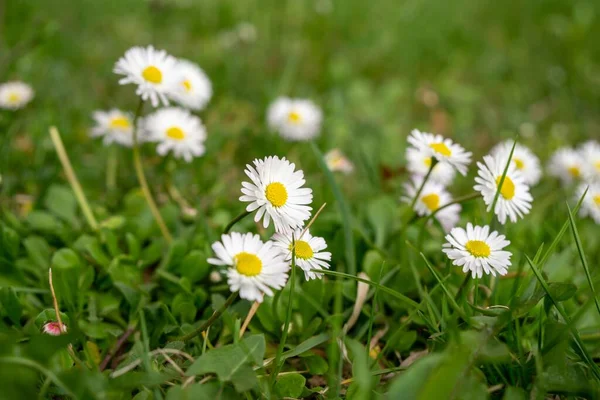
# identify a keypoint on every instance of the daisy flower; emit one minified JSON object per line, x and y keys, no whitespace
{"x":590,"y":151}
{"x":590,"y":206}
{"x":194,"y":89}
{"x":54,"y":328}
{"x":337,"y":162}
{"x":477,"y":250}
{"x":295,"y":119}
{"x":419,"y":161}
{"x":176,"y":131}
{"x":432,"y":197}
{"x":255,"y":267}
{"x":154,"y":71}
{"x":514,"y":200}
{"x":15,"y":95}
{"x":524,"y":160}
{"x":567,"y":165}
{"x":309,"y":254}
{"x":276,"y":193}
{"x":115,"y":126}
{"x":443,"y":149}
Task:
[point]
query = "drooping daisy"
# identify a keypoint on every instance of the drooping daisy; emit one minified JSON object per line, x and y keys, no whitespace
{"x":294,"y":119}
{"x":443,"y":149}
{"x":255,"y":267}
{"x":432,"y":197}
{"x":276,"y":193}
{"x":477,"y":250}
{"x":590,"y":206}
{"x":114,"y":126}
{"x":567,"y":165}
{"x":194,"y":89}
{"x":308,"y":248}
{"x":590,"y":151}
{"x":419,"y":161}
{"x":154,"y":71}
{"x":176,"y":130}
{"x":514,"y":200}
{"x":337,"y":162}
{"x":54,"y":328}
{"x":15,"y":95}
{"x":523,"y":158}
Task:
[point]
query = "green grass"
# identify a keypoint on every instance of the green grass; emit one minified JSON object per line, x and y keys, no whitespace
{"x":478,"y":72}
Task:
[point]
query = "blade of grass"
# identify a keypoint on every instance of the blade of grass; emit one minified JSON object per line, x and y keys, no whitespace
{"x":32,"y":364}
{"x":499,"y":187}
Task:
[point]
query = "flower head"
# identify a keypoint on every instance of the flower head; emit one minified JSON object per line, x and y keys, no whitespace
{"x":567,"y":165}
{"x":590,"y":151}
{"x":54,"y":328}
{"x":276,"y":193}
{"x":419,"y":161}
{"x":432,"y":197}
{"x":590,"y":205}
{"x":295,"y":119}
{"x":177,"y":131}
{"x":154,"y":71}
{"x":308,"y":248}
{"x":443,"y":149}
{"x":523,"y":158}
{"x":15,"y":95}
{"x":337,"y":161}
{"x":194,"y":89}
{"x":514,"y":200}
{"x":114,"y":126}
{"x":477,"y":250}
{"x":255,"y":267}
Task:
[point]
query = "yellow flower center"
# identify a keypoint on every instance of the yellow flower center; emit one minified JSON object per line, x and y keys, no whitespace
{"x":152,"y":74}
{"x":518,"y":163}
{"x":247,"y":264}
{"x":597,"y":165}
{"x":14,"y":98}
{"x":431,"y":201}
{"x":427,"y":161}
{"x":120,"y":123}
{"x":597,"y":200}
{"x":478,"y":248}
{"x":441,"y":148}
{"x":303,"y":250}
{"x":187,"y":85}
{"x":294,"y":117}
{"x":276,"y":194}
{"x":574,"y":171}
{"x":175,"y":133}
{"x":508,"y":187}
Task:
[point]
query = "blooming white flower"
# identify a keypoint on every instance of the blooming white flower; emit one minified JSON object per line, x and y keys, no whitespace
{"x":477,"y":250}
{"x":567,"y":165}
{"x":15,"y":95}
{"x":527,"y":163}
{"x":295,"y":119}
{"x":514,"y":200}
{"x":590,"y":151}
{"x":337,"y":161}
{"x":255,"y":267}
{"x":443,"y":149}
{"x":308,"y":248}
{"x":419,"y":161}
{"x":176,"y":130}
{"x":432,"y":197}
{"x":114,"y":126}
{"x":54,"y":328}
{"x":194,"y":89}
{"x":276,"y":193}
{"x":154,"y":71}
{"x":590,"y":206}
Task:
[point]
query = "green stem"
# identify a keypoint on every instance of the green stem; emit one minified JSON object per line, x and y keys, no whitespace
{"x":500,"y":183}
{"x":139,"y":170}
{"x":209,"y":321}
{"x":434,"y":162}
{"x":111,"y":168}
{"x":72,"y":178}
{"x":235,"y":221}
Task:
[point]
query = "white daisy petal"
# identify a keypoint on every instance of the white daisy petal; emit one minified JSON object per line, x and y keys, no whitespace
{"x":591,"y":202}
{"x":114,"y":126}
{"x":309,"y":255}
{"x":194,"y":89}
{"x":567,"y":165}
{"x":337,"y":162}
{"x":443,"y":149}
{"x":15,"y":95}
{"x":295,"y":119}
{"x":527,"y":163}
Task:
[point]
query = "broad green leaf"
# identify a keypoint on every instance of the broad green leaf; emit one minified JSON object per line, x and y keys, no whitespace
{"x":61,"y":202}
{"x":10,"y":305}
{"x":290,"y":385}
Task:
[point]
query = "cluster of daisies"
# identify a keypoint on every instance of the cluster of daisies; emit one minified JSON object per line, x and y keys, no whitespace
{"x":15,"y":95}
{"x":160,"y":79}
{"x":275,"y":193}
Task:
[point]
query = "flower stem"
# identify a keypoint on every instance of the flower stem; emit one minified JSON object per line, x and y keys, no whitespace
{"x":235,"y":221}
{"x":209,"y":321}
{"x":434,"y":162}
{"x":72,"y":178}
{"x":139,"y":170}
